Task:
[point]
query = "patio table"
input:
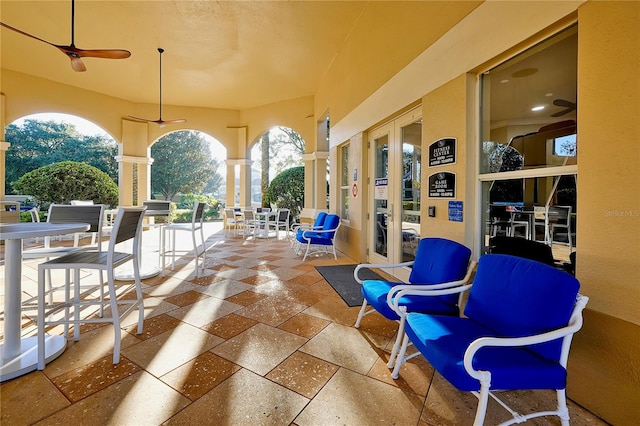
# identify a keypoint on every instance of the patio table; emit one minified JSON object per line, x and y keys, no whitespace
{"x":18,"y":355}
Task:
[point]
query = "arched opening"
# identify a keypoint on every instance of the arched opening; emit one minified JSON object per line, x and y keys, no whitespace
{"x":38,"y":140}
{"x":278,"y":149}
{"x":188,"y":165}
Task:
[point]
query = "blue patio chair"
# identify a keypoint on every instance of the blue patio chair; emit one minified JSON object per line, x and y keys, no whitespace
{"x":516,"y":333}
{"x":319,"y":240}
{"x":439,"y":263}
{"x":297,"y":228}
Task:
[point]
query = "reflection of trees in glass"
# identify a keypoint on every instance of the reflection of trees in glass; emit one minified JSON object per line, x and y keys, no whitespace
{"x":497,"y":157}
{"x":38,"y":143}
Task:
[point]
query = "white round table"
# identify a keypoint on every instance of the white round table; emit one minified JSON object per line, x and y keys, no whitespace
{"x":20,"y":356}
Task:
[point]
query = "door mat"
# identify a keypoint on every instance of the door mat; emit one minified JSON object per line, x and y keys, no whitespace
{"x":340,"y":277}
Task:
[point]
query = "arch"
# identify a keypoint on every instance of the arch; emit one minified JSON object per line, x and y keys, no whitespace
{"x":100,"y":155}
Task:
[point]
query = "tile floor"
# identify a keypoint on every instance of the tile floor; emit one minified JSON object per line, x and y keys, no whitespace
{"x":259,"y":339}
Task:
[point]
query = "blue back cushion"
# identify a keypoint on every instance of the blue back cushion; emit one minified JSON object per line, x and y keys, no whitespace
{"x":320,"y":220}
{"x":331,"y":222}
{"x":439,"y":261}
{"x":517,"y":297}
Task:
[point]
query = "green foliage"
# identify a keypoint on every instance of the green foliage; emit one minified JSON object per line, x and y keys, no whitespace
{"x":286,"y":191}
{"x":182,"y":164}
{"x":186,"y":208}
{"x":66,"y":181}
{"x":37,"y":143}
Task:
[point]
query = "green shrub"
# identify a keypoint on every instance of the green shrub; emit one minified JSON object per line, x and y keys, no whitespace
{"x":66,"y":181}
{"x":286,"y":191}
{"x":188,"y":200}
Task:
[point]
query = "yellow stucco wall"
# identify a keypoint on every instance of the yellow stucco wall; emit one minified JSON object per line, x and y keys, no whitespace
{"x":443,"y":115}
{"x":604,"y":369}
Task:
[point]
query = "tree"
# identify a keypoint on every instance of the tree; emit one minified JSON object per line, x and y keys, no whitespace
{"x":38,"y":143}
{"x":182,"y":164}
{"x":66,"y":181}
{"x":287,"y":190}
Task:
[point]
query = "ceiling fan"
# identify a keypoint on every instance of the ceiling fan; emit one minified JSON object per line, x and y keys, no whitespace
{"x":160,"y":121}
{"x":74,"y":53}
{"x":568,"y":105}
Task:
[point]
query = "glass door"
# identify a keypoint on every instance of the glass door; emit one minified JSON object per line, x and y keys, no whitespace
{"x":394,"y":213}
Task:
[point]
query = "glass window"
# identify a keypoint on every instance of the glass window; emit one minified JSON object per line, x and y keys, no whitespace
{"x":345,"y":188}
{"x":529,"y":148}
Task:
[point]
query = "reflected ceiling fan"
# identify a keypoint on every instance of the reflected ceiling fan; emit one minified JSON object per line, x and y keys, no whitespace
{"x":567,"y":105}
{"x":160,"y":121}
{"x":74,"y":53}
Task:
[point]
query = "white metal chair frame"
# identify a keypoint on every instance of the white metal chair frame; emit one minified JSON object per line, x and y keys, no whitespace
{"x":63,"y":213}
{"x":398,"y":357}
{"x":311,"y":248}
{"x":250,"y":225}
{"x":231,"y":221}
{"x":193,"y":227}
{"x":484,"y":377}
{"x":128,"y":226}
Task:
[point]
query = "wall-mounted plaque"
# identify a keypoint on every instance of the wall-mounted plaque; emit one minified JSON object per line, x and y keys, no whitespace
{"x":442,"y":185}
{"x":455,"y":211}
{"x":442,"y":151}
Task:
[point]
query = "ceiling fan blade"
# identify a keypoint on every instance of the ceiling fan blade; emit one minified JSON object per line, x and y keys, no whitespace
{"x":564,"y":103}
{"x":72,"y":51}
{"x":9,"y":27}
{"x":160,"y":122}
{"x":77,"y":64}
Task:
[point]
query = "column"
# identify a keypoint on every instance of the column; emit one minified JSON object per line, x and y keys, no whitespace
{"x":134,"y":177}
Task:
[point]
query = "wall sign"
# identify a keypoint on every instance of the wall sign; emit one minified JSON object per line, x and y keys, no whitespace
{"x":455,"y":211}
{"x":442,"y":185}
{"x":442,"y":152}
{"x":381,"y":190}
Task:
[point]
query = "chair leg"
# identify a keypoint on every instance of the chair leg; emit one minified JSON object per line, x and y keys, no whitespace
{"x":76,"y":304}
{"x":396,"y":345}
{"x":362,"y":313}
{"x":41,"y":296}
{"x":483,"y":400}
{"x":204,"y":249}
{"x":401,"y":356}
{"x":115,"y":316}
{"x":139,"y":301}
{"x":563,"y":410}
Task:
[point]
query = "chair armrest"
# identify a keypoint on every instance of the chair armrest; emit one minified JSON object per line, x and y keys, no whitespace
{"x":315,"y":233}
{"x":575,"y":324}
{"x":395,"y":294}
{"x":377,"y":266}
{"x":451,"y":287}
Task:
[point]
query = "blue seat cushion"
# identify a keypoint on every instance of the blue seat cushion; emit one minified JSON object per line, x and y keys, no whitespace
{"x":375,"y":293}
{"x":443,"y":341}
{"x":316,"y":238}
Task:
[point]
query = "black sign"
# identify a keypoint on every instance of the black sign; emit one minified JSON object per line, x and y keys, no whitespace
{"x":442,"y":185}
{"x":442,"y":151}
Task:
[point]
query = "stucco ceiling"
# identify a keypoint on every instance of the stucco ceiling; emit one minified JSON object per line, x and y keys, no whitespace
{"x":220,"y":54}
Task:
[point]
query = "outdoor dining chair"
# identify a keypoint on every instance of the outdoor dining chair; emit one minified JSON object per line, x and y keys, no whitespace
{"x":231,"y":221}
{"x":63,"y":213}
{"x":281,"y":222}
{"x":194,"y":227}
{"x":78,"y":310}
